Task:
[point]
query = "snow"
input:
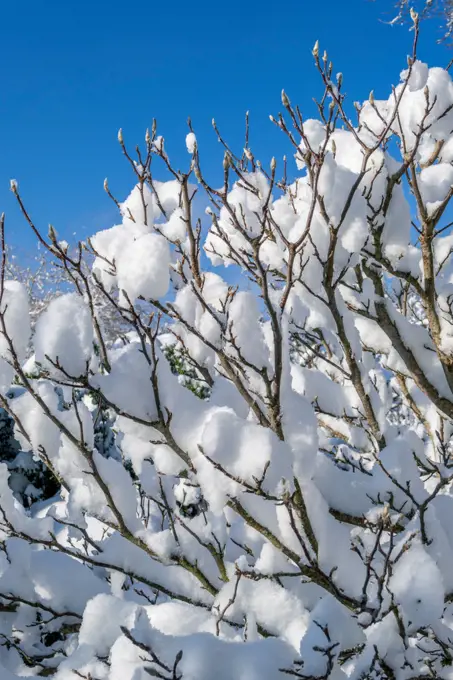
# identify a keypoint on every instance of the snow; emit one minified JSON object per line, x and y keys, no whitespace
{"x":143,"y":268}
{"x":101,"y":621}
{"x":191,"y":142}
{"x":278,"y":610}
{"x":43,"y":433}
{"x":16,"y":330}
{"x":332,"y":397}
{"x":246,"y":451}
{"x":64,"y":336}
{"x":343,"y":632}
{"x":418,"y":76}
{"x":107,"y":243}
{"x":169,"y":194}
{"x":14,"y":307}
{"x":435,"y":183}
{"x":128,"y":385}
{"x":175,"y":228}
{"x":417,"y":587}
{"x":50,"y":578}
{"x":139,"y":206}
{"x":243,"y":317}
{"x":203,"y":655}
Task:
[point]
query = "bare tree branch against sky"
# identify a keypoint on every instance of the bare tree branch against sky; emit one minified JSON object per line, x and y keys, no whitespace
{"x":77,"y":71}
{"x":440,"y":11}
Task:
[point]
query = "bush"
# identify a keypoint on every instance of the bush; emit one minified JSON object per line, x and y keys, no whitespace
{"x":296,"y":520}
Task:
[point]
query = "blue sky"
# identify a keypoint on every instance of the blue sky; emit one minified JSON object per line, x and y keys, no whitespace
{"x":72,"y":73}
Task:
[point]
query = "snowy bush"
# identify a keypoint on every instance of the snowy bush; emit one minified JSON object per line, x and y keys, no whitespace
{"x":291,"y":513}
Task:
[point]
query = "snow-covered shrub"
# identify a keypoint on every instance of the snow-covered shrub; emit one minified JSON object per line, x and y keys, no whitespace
{"x":296,"y":520}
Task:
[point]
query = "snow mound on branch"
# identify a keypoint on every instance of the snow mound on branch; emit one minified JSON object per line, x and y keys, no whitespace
{"x":102,"y":619}
{"x":128,"y":385}
{"x":243,"y":317}
{"x":108,"y":244}
{"x":49,"y":578}
{"x":330,"y":626}
{"x":203,"y":656}
{"x":175,"y":229}
{"x":247,"y":452}
{"x":64,"y":334}
{"x":139,"y":206}
{"x":418,"y":588}
{"x":206,"y":319}
{"x":143,"y":268}
{"x":40,"y":429}
{"x":191,"y":142}
{"x":435,"y":183}
{"x":14,"y":306}
{"x":15,"y":311}
{"x":418,"y":76}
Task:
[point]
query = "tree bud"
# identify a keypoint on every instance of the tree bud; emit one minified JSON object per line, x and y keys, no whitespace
{"x":52,"y":234}
{"x":285,"y":100}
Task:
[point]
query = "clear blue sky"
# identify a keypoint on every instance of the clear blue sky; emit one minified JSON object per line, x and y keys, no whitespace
{"x":72,"y":73}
